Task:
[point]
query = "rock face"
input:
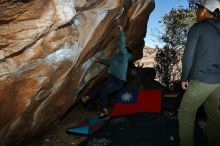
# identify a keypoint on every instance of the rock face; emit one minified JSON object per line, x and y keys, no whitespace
{"x":46,"y":56}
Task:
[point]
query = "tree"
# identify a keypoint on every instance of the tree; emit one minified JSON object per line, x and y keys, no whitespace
{"x":176,"y":25}
{"x":192,"y":3}
{"x":168,"y":59}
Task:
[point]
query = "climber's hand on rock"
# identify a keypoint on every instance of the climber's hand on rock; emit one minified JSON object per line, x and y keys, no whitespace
{"x":120,"y":27}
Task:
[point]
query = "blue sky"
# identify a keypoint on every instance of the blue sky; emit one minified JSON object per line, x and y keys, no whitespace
{"x":162,"y":7}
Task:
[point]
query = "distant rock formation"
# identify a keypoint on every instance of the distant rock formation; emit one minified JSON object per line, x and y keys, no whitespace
{"x":46,"y":56}
{"x":148,"y":59}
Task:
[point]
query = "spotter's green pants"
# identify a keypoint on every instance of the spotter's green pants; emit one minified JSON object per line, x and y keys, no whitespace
{"x":199,"y":93}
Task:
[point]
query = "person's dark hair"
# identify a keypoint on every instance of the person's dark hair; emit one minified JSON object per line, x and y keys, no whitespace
{"x":129,"y":50}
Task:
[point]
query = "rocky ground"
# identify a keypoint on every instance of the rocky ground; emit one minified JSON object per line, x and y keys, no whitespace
{"x":57,"y":136}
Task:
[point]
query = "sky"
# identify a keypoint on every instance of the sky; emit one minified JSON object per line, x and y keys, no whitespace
{"x":162,"y":7}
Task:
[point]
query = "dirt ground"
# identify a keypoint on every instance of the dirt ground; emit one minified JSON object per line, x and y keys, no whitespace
{"x":57,"y":136}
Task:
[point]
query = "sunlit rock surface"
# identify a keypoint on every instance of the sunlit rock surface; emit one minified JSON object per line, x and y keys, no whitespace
{"x":46,"y":56}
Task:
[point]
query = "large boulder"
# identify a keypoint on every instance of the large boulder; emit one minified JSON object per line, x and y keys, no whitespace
{"x":46,"y":56}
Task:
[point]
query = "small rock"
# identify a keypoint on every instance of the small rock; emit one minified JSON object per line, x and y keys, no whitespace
{"x":171,"y":138}
{"x":73,"y":143}
{"x":47,"y":140}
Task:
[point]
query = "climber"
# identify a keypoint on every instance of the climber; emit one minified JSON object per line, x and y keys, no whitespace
{"x":117,"y":73}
